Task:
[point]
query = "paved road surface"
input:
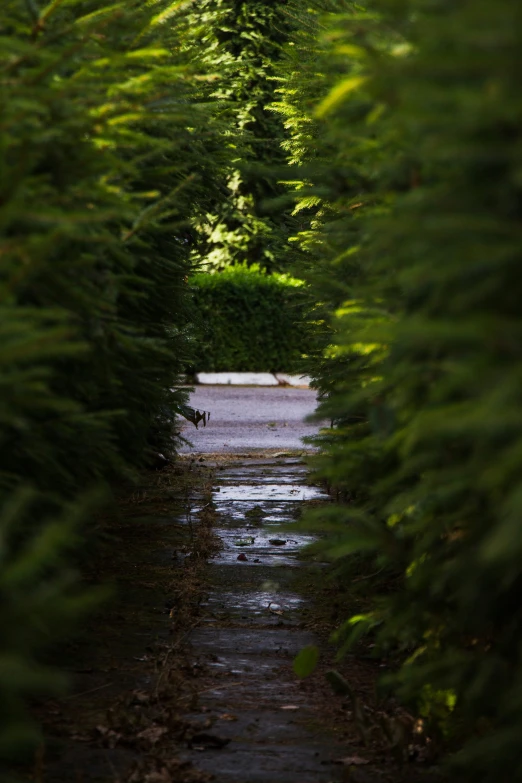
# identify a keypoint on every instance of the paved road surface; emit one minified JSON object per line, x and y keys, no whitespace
{"x":243,"y":418}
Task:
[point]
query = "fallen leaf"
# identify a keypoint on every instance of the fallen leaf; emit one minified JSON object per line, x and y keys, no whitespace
{"x":227,"y":716}
{"x":277,"y":541}
{"x":141,"y":697}
{"x":152,"y":734}
{"x":156,"y":776}
{"x":111,"y":737}
{"x":352,"y":761}
{"x":242,"y":557}
{"x":165,"y":771}
{"x":162,"y":776}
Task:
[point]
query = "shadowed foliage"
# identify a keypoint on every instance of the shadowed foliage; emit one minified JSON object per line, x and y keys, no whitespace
{"x":416,"y":244}
{"x":99,"y":175}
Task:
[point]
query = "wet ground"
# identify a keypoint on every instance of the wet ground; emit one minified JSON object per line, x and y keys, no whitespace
{"x":252,"y":628}
{"x":264,"y":723}
{"x":244,"y":418}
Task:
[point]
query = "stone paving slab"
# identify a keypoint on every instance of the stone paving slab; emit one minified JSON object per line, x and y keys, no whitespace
{"x":295,"y":763}
{"x":225,"y":640}
{"x":253,"y":725}
{"x":257,"y":602}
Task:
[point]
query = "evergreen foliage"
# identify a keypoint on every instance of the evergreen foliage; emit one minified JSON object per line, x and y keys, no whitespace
{"x":138,"y":139}
{"x":99,"y":165}
{"x":425,"y":378}
{"x":324,"y":176}
{"x":40,"y":594}
{"x":238,"y":43}
{"x":247,"y":320}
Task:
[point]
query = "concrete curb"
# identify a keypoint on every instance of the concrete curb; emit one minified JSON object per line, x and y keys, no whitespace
{"x":252,"y":379}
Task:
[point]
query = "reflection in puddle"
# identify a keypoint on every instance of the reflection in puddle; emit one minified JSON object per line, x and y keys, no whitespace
{"x":274,"y":511}
{"x":258,"y":602}
{"x":293,"y":492}
{"x":249,"y":512}
{"x":260,"y":549}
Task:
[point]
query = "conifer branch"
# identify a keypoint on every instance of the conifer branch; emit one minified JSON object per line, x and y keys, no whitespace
{"x":33,"y":9}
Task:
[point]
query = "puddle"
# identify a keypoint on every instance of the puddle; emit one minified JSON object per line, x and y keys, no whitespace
{"x":259,"y":547}
{"x":258,"y":602}
{"x":269,"y":492}
{"x":272,"y":510}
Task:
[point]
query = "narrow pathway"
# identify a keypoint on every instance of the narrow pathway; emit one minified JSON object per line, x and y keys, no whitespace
{"x":188,"y":676}
{"x":257,"y":722}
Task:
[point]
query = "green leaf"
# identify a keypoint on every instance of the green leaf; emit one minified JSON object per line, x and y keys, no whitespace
{"x":306,"y":661}
{"x":338,"y":684}
{"x":337,"y":95}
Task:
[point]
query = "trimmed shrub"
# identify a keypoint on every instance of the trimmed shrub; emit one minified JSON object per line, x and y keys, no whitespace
{"x":247,"y":320}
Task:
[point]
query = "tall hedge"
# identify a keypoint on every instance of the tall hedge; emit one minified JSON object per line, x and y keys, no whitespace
{"x":238,"y":43}
{"x":99,"y":164}
{"x":331,"y":173}
{"x":426,"y":454}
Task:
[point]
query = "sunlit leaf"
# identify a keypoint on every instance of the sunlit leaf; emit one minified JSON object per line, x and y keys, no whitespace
{"x":338,"y":94}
